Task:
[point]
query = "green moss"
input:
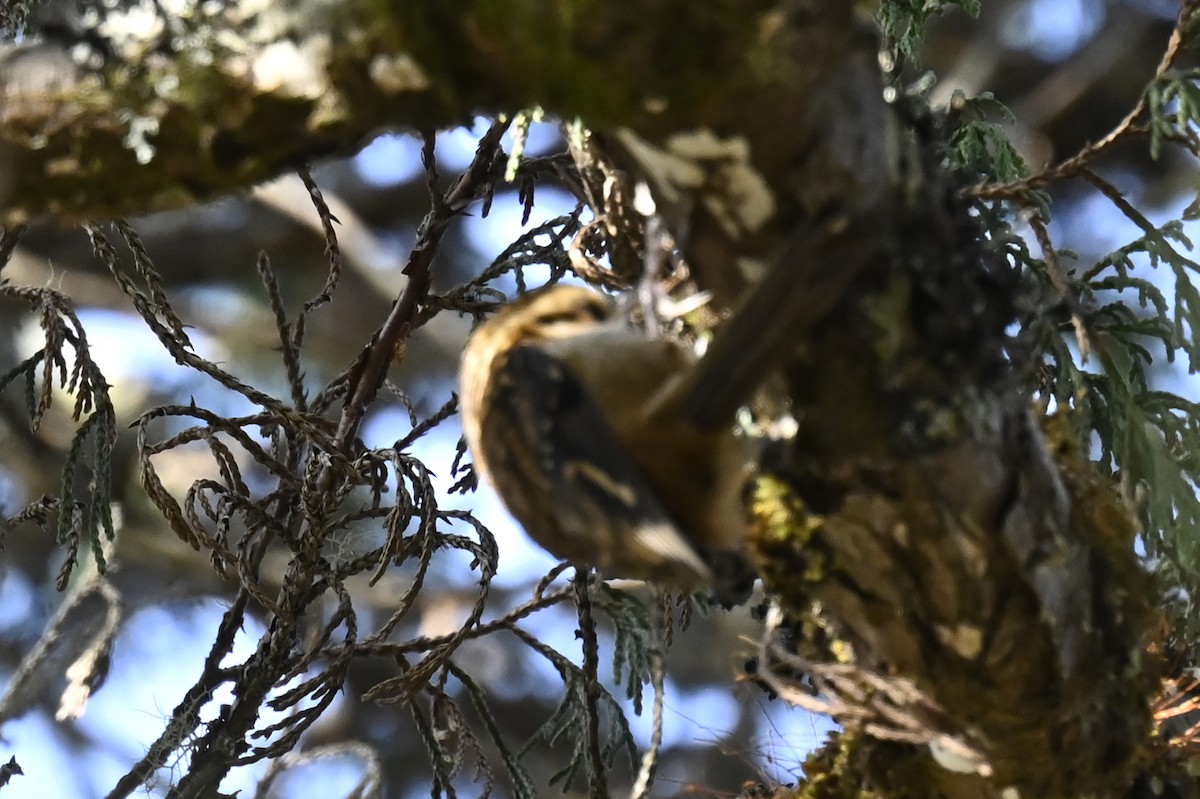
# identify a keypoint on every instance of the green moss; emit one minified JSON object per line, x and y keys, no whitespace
{"x":888,"y":311}
{"x":832,"y":771}
{"x":782,"y":529}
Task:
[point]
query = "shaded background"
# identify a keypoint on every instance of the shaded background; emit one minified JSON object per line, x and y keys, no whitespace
{"x":1069,"y":70}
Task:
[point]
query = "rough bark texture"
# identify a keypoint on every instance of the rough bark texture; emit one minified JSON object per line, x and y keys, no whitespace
{"x":926,"y":532}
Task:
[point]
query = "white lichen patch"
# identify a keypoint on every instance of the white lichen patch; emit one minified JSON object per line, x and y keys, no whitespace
{"x":671,"y":176}
{"x":296,"y":71}
{"x":704,"y":145}
{"x":964,"y":639}
{"x":269,"y":21}
{"x":398,"y":73}
{"x":136,"y":29}
{"x":137,"y":138}
{"x":166,"y":86}
{"x":133,"y":28}
{"x":181,"y":8}
{"x":717,"y":171}
{"x":83,"y":55}
{"x":737,"y":195}
{"x":33,"y":70}
{"x":138,"y":22}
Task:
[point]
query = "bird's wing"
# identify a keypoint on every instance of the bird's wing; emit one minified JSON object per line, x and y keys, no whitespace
{"x":598,"y":508}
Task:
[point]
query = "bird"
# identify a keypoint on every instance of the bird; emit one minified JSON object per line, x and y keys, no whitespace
{"x":562,"y":410}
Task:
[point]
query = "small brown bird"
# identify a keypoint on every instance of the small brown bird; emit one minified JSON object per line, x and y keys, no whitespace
{"x":562,"y":409}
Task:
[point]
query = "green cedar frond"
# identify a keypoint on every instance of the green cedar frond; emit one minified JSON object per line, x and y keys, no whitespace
{"x":903,"y":21}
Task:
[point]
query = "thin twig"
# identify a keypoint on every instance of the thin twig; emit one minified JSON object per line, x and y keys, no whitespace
{"x":374,"y":361}
{"x":1058,"y":280}
{"x":186,"y":718}
{"x":591,"y":687}
{"x":1076,"y":164}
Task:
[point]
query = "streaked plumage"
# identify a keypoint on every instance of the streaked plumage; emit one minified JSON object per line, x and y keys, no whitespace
{"x":558,"y":413}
